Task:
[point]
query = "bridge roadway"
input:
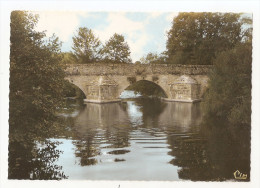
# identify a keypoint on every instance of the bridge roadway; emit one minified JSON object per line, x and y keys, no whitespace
{"x":102,"y":83}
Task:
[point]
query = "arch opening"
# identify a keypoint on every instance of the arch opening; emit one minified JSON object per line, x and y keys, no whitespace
{"x":143,"y":88}
{"x":71,"y":90}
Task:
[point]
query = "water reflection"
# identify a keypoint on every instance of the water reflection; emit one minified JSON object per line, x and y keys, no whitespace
{"x":159,"y":129}
{"x":147,"y":139}
{"x":100,"y":126}
{"x":26,"y":161}
{"x":182,"y":115}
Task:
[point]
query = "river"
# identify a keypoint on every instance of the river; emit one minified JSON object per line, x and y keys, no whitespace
{"x":149,"y":139}
{"x":144,"y":139}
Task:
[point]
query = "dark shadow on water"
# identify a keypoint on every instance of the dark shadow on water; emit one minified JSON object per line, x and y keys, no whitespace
{"x":214,"y":153}
{"x":119,"y":160}
{"x":118,"y":152}
{"x":203,"y":150}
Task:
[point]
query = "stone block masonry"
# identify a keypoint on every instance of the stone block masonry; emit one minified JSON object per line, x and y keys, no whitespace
{"x":105,"y":82}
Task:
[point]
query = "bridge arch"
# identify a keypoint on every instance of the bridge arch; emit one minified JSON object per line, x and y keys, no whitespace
{"x":77,"y":86}
{"x":103,"y":83}
{"x":146,"y":88}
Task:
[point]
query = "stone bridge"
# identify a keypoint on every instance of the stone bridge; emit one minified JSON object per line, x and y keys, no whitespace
{"x":103,"y":83}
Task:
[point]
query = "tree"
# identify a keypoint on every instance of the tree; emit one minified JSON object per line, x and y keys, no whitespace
{"x":116,"y":50}
{"x":153,"y":58}
{"x":149,"y":58}
{"x":229,"y":94}
{"x":147,"y":88}
{"x":86,"y":46}
{"x":68,"y":58}
{"x":196,"y":38}
{"x":36,"y":90}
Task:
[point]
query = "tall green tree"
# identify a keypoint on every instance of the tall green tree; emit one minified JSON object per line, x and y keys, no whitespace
{"x":36,"y":90}
{"x":86,"y":46}
{"x":229,"y":94}
{"x":196,"y":38}
{"x":116,"y":50}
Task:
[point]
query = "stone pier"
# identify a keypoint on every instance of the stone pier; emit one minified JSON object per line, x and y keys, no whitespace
{"x":103,"y":83}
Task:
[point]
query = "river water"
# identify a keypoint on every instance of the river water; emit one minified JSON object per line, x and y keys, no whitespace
{"x":135,"y":139}
{"x":149,"y":139}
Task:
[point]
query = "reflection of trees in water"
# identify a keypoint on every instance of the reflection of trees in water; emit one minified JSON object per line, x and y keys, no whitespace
{"x":71,"y":108}
{"x":212,"y":154}
{"x":117,"y":136}
{"x":86,"y":147}
{"x":99,"y":126}
{"x":26,"y":161}
{"x":147,"y":88}
{"x":29,"y":160}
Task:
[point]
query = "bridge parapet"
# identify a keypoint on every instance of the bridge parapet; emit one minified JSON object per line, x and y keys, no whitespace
{"x":105,"y":82}
{"x":99,"y":69}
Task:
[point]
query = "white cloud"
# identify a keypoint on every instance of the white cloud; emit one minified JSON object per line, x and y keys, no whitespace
{"x":63,"y":24}
{"x":155,"y":14}
{"x":136,"y":47}
{"x":170,"y":16}
{"x":134,"y":32}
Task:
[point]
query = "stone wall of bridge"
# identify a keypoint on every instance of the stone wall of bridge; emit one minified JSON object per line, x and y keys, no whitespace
{"x":135,"y":70}
{"x":105,"y":83}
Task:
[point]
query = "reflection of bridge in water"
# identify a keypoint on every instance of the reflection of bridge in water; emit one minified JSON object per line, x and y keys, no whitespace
{"x":103,"y":83}
{"x":154,"y":140}
{"x":139,"y":132}
{"x":138,"y":113}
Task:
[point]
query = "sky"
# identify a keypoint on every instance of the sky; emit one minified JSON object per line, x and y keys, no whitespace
{"x":143,"y":31}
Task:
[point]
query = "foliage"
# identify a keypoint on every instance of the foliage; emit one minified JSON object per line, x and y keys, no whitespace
{"x":70,"y":90}
{"x":68,"y":58}
{"x":229,"y":94}
{"x":153,"y":58}
{"x":149,"y":58}
{"x":196,"y":38}
{"x":147,"y":88}
{"x":36,"y":86}
{"x":131,"y":80}
{"x":36,"y":76}
{"x":116,"y":50}
{"x":86,"y":46}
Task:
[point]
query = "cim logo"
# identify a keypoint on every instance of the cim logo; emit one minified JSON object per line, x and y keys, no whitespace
{"x":240,"y":176}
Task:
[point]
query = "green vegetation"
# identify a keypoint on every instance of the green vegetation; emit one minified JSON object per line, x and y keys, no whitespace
{"x":37,"y":85}
{"x":224,"y":40}
{"x":197,"y":38}
{"x":229,"y":93}
{"x":153,"y":58}
{"x":68,"y":58}
{"x":36,"y":90}
{"x":116,"y":50}
{"x":147,"y":88}
{"x":71,"y":90}
{"x":86,"y":46}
